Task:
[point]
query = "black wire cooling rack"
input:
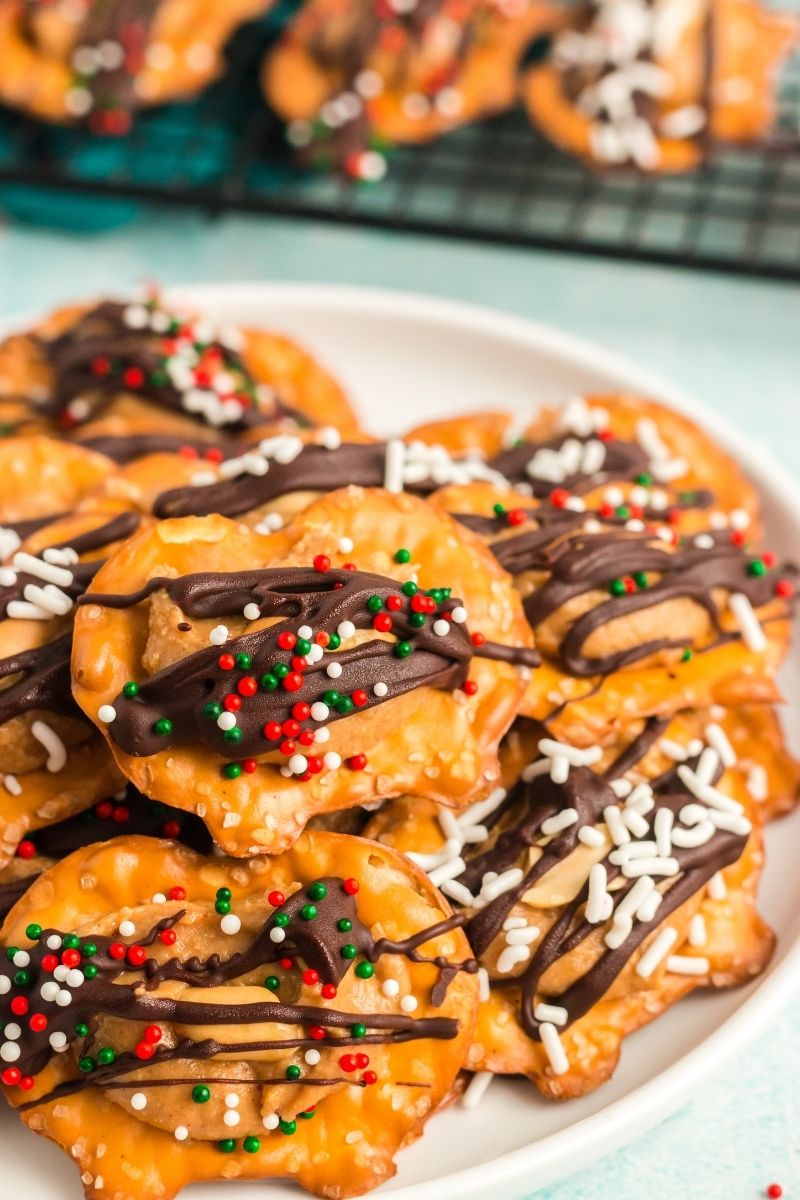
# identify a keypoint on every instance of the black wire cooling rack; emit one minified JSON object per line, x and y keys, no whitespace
{"x":495,"y":181}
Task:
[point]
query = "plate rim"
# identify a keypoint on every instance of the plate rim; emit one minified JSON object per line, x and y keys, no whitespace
{"x":629,"y":1116}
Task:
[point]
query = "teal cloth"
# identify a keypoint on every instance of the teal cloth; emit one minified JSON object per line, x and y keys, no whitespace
{"x":734,"y":343}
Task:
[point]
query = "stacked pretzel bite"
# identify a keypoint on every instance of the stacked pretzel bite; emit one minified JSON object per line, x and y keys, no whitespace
{"x":339,"y":775}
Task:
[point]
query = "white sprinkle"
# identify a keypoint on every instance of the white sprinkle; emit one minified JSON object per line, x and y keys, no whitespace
{"x":395,"y":462}
{"x":231,"y":1100}
{"x":298,"y":764}
{"x":658,"y":950}
{"x":332,"y":760}
{"x":476,"y":1089}
{"x":319,"y":711}
{"x":482,"y":808}
{"x":63,"y":998}
{"x":535,"y":769}
{"x":51,"y":573}
{"x":690,"y":839}
{"x":561,"y":821}
{"x":13,"y":1031}
{"x":277,"y":934}
{"x":522,"y":937}
{"x":553,"y":1048}
{"x":673,"y":750}
{"x":650,"y":866}
{"x":333,"y":670}
{"x":484,"y":987}
{"x":138,"y":1101}
{"x":635,"y":822}
{"x":458,"y":892}
{"x":251,"y":612}
{"x":559,"y":768}
{"x":749,"y":624}
{"x":12,"y":785}
{"x":596,"y":901}
{"x":662,"y":827}
{"x":590,"y":836}
{"x":459,"y":614}
{"x":614,"y":823}
{"x":74,"y":978}
{"x":226,"y":720}
{"x":698,"y":935}
{"x":409,"y":1004}
{"x":630,"y":903}
{"x":181,"y":1133}
{"x":346,"y":629}
{"x":730,"y":822}
{"x":312,"y":1057}
{"x":49,"y":990}
{"x":502,"y":884}
{"x":717,"y":888}
{"x":380,"y":688}
{"x":441,"y":628}
{"x":231,"y":1117}
{"x":231,"y":924}
{"x":757,"y":783}
{"x":575,"y":756}
{"x":390,"y":988}
{"x":704,"y":541}
{"x":127,"y":928}
{"x":9,"y":1051}
{"x":686,"y":964}
{"x":716,"y":737}
{"x":553,"y":1013}
{"x":621,"y":788}
{"x":60,"y":972}
{"x":218,"y":635}
{"x":56,"y":750}
{"x":705,"y":792}
{"x":58,"y":1041}
{"x":159,"y":898}
{"x":106,"y":713}
{"x":448,"y":870}
{"x":511,"y":957}
{"x":707,"y":766}
{"x":649,"y":907}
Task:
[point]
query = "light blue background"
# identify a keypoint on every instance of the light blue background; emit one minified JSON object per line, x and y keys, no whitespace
{"x":734,"y":343}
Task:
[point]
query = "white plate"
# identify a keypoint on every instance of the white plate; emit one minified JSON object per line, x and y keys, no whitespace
{"x":405,"y":359}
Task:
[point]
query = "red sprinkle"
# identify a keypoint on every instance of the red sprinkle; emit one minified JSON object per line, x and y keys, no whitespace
{"x":359,"y":698}
{"x":287,"y":963}
{"x":247,"y":686}
{"x":362,"y":1060}
{"x":26,"y":849}
{"x":226,"y":662}
{"x":315,"y":764}
{"x":133,"y":377}
{"x":71,"y":958}
{"x":276,"y":899}
{"x":769,"y":558}
{"x":394,"y":603}
{"x":518,"y":516}
{"x":322,"y":638}
{"x":369,"y":1077}
{"x":478,"y":639}
{"x":49,"y":962}
{"x":298,"y":663}
{"x":172,"y":829}
{"x":329,"y":991}
{"x":469,"y":687}
{"x":382,"y":622}
{"x":290,"y":728}
{"x":605,"y":435}
{"x":784,"y":588}
{"x":322,"y":562}
{"x":558,"y":497}
{"x":11,"y":1076}
{"x":27,"y":1082}
{"x":356,"y":762}
{"x":272,"y":731}
{"x":288,"y":747}
{"x":116,"y":950}
{"x":316,"y":1032}
{"x":348,"y":1062}
{"x":103,"y":810}
{"x":136,"y":955}
{"x":121,"y":814}
{"x":214,"y":455}
{"x":293,"y":682}
{"x":144,"y":1050}
{"x":351,"y":886}
{"x":301,"y":711}
{"x":310,"y":976}
{"x":249,"y":765}
{"x":286,"y":640}
{"x":774,"y":1191}
{"x":38,"y":1022}
{"x":100,"y":366}
{"x":153,"y":1034}
{"x":177,"y":893}
{"x":232,"y":702}
{"x":168,"y":937}
{"x":738,"y":537}
{"x":306,"y":738}
{"x":19,"y":1006}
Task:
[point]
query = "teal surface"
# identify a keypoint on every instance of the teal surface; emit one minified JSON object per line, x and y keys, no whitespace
{"x":734,"y":343}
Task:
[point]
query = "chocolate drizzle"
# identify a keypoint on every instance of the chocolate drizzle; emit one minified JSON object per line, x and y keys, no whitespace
{"x":318,"y":941}
{"x":183,"y":691}
{"x":127,"y":448}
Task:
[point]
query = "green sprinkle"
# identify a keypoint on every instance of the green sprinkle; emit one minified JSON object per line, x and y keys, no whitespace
{"x":224,"y":893}
{"x":645,"y":480}
{"x":348,"y":951}
{"x":231,"y":770}
{"x":34,"y":932}
{"x":282,"y":919}
{"x":374,"y":604}
{"x":417,"y":620}
{"x":227,"y":1145}
{"x":402,"y":555}
{"x":272,"y":983}
{"x":86,"y":1064}
{"x":90,"y":971}
{"x":243,"y":661}
{"x":251,"y":1145}
{"x":499,"y":510}
{"x":293,"y":1072}
{"x":268,"y":682}
{"x":212,"y":711}
{"x":640,"y":579}
{"x":302,"y":646}
{"x":317,"y":891}
{"x":233,"y":736}
{"x":81,"y":1030}
{"x":201,"y":1094}
{"x":222,"y":907}
{"x":616,"y":587}
{"x":756,"y":567}
{"x":280,"y":670}
{"x":163,"y":726}
{"x":623,"y":512}
{"x":308,"y":1114}
{"x":409,"y":588}
{"x":365,"y":970}
{"x":358,"y":1030}
{"x":330,"y":698}
{"x":130,"y":689}
{"x":159,"y":379}
{"x":334,"y":641}
{"x":686,"y":656}
{"x":308,"y":912}
{"x":22,"y":978}
{"x":106,"y":1056}
{"x":344,"y":705}
{"x":344,"y":925}
{"x":287,"y":1127}
{"x":72,"y":941}
{"x":11,"y":951}
{"x":403,"y":649}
